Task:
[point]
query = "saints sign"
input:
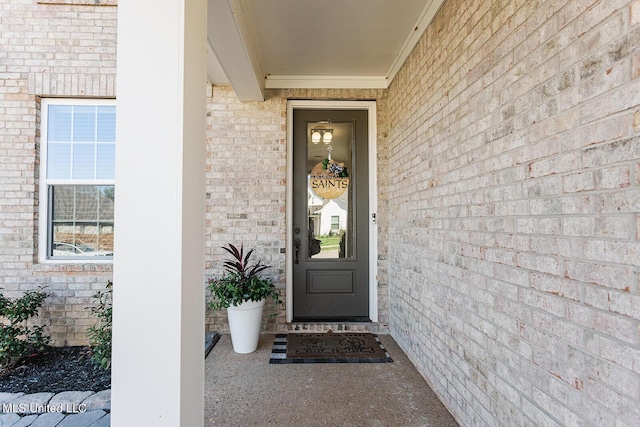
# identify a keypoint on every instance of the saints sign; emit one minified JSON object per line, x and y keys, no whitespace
{"x":329,"y":179}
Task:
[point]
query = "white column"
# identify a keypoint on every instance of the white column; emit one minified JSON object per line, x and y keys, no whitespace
{"x":158,"y":340}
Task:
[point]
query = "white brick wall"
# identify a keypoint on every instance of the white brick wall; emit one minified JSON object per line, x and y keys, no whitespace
{"x":246,"y":185}
{"x":509,"y":196}
{"x":46,"y":50}
{"x":68,"y":48}
{"x":514,"y":177}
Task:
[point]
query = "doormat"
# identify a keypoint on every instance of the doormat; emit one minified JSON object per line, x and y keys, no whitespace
{"x":343,"y":347}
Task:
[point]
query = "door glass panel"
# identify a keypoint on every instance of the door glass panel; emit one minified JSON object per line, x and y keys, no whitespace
{"x":330,"y":190}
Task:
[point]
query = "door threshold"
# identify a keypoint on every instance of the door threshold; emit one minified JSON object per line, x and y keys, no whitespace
{"x":326,"y":326}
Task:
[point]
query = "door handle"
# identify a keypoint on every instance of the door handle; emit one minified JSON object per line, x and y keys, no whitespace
{"x":296,"y":245}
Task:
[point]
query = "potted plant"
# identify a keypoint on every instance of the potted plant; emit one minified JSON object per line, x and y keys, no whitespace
{"x":243,"y":293}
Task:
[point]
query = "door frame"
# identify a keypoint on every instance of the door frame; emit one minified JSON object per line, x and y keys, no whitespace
{"x":370,"y":107}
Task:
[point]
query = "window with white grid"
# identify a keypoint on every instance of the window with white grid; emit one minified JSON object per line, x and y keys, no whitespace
{"x":77,"y":179}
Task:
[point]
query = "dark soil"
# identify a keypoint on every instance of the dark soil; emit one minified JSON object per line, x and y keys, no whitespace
{"x":56,"y":369}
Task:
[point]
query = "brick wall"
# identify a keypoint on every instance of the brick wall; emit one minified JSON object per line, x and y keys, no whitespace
{"x":514,"y":201}
{"x":508,"y":202}
{"x":246,"y":184}
{"x":67,"y":48}
{"x":46,"y":50}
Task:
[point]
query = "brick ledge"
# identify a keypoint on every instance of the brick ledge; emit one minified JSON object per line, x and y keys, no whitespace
{"x":80,"y":2}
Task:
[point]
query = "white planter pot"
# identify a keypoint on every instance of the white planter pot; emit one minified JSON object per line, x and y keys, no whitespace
{"x":244,"y":323}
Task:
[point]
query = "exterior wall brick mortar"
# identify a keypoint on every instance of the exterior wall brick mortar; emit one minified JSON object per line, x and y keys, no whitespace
{"x":246,"y":187}
{"x":513,"y":163}
{"x":47,"y":50}
{"x":67,"y":48}
{"x":508,"y":196}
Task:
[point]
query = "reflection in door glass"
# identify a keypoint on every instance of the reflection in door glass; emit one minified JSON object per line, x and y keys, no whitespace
{"x":330,"y":189}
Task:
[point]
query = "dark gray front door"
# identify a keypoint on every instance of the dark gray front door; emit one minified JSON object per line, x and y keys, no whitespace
{"x":330,"y":215}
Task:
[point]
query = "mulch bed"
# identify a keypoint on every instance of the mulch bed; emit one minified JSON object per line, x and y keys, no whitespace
{"x":56,"y":369}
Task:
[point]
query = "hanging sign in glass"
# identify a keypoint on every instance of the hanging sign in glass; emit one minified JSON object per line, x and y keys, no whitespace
{"x":329,"y":179}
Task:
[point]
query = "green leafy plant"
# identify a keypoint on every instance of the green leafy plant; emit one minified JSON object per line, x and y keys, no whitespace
{"x":241,"y":282}
{"x":336,"y":169}
{"x":17,"y":340}
{"x":100,"y":333}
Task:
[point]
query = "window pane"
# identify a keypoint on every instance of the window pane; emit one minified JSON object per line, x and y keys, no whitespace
{"x":86,"y":203}
{"x":335,"y":223}
{"x":63,"y":203}
{"x":83,"y":161}
{"x":84,"y":124}
{"x":80,"y":145}
{"x":105,"y":243}
{"x":77,"y":230}
{"x":330,"y":204}
{"x":106,"y":161}
{"x":59,"y":161}
{"x":59,"y":127}
{"x":106,"y":124}
{"x":106,"y":200}
{"x":75,"y":241}
{"x":90,"y":149}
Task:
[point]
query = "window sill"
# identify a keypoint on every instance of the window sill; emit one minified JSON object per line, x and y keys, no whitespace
{"x":75,"y":261}
{"x":80,"y":2}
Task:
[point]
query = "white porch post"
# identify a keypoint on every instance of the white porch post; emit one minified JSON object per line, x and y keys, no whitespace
{"x":158,"y":341}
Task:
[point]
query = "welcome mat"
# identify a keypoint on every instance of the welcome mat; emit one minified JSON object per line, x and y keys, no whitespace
{"x":343,"y":347}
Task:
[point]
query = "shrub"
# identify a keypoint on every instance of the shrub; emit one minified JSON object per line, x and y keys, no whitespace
{"x":17,"y":340}
{"x":100,"y":333}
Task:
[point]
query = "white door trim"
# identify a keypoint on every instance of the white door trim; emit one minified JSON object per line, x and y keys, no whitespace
{"x":370,"y":106}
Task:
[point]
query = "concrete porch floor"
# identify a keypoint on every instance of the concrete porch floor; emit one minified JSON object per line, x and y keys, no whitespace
{"x":245,"y":390}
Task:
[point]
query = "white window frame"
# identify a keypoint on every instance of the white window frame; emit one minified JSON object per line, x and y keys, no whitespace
{"x":44,"y":208}
{"x":336,"y":223}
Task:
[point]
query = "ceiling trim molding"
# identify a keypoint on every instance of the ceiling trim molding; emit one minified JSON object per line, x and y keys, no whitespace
{"x":230,"y":36}
{"x":427,"y":15}
{"x":326,"y":82}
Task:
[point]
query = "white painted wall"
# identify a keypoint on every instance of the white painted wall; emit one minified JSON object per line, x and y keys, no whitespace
{"x":329,"y":210}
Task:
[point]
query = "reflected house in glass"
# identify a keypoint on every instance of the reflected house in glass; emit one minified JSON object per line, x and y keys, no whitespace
{"x":333,"y":217}
{"x":82,"y":220}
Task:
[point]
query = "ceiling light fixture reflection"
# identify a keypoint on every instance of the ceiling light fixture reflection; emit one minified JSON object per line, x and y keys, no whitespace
{"x":316,"y":136}
{"x":324,"y":135}
{"x":327,"y":136}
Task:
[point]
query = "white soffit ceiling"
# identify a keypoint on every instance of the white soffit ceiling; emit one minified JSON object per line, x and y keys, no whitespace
{"x":312,"y":43}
